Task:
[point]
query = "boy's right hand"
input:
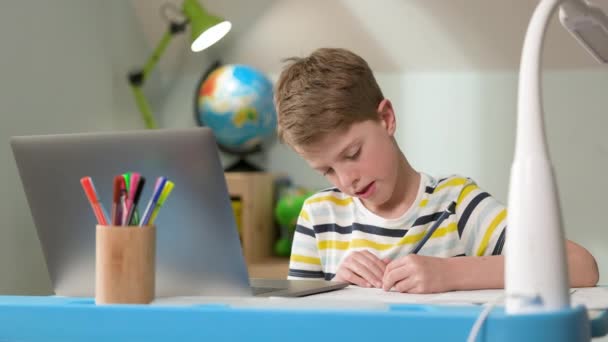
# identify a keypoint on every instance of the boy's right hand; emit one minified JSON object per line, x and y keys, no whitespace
{"x":361,"y":268}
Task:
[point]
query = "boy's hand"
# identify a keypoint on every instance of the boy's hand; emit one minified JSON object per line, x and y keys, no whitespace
{"x":416,"y":274}
{"x":362,"y":268}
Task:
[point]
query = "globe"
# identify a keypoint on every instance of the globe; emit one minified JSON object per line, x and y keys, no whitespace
{"x":236,"y":102}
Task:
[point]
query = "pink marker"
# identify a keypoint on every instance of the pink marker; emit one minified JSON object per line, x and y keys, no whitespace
{"x":133,"y":186}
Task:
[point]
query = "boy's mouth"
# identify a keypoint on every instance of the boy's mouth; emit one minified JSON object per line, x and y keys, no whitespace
{"x":367,"y":191}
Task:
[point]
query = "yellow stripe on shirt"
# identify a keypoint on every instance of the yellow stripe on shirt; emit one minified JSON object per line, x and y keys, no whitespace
{"x":467,"y":190}
{"x":363,"y":243}
{"x":356,"y":243}
{"x":305,"y":259}
{"x":338,"y":201}
{"x":451,"y":182}
{"x":488,"y":234}
{"x":439,"y":232}
{"x":304,"y":215}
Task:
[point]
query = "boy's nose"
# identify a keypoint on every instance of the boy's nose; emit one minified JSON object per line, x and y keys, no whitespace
{"x":350,"y":180}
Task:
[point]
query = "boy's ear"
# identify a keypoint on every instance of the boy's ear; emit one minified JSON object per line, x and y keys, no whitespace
{"x":387,"y":116}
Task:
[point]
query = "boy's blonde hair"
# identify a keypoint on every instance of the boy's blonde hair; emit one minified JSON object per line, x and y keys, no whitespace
{"x":324,"y":93}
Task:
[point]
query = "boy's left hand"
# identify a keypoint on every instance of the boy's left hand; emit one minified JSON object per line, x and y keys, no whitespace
{"x":416,"y":274}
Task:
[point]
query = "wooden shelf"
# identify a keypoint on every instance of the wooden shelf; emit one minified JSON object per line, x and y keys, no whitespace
{"x":255,"y":190}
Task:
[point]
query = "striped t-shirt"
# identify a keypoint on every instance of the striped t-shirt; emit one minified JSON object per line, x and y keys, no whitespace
{"x":333,"y":224}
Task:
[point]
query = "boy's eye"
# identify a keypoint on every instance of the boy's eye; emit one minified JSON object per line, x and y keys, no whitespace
{"x":354,"y":155}
{"x":328,"y":171}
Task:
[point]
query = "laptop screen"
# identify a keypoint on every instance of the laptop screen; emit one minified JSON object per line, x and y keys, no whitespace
{"x":198,"y":249}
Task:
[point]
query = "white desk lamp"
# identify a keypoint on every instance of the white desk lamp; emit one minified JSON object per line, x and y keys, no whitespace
{"x":536,"y":273}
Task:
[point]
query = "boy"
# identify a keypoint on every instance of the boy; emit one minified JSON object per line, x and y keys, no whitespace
{"x":332,"y":112}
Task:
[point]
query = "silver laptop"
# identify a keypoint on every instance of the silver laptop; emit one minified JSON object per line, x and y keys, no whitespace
{"x":198,"y":248}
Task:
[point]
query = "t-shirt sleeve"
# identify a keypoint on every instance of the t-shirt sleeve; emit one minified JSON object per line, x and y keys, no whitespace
{"x":482,"y":221}
{"x":304,"y":262}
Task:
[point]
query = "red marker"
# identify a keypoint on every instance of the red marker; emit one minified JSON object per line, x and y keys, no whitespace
{"x":119,"y":189}
{"x":89,"y":190}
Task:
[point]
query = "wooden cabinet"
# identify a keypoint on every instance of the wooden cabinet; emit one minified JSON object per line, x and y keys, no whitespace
{"x":255,"y":191}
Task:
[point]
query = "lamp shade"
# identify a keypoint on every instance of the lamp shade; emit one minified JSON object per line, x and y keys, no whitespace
{"x":206,"y":28}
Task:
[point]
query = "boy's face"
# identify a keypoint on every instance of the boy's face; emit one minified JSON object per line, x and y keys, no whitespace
{"x":361,"y":161}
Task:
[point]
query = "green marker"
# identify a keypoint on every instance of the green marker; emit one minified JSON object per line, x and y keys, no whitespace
{"x":127,"y":177}
{"x":135,"y":218}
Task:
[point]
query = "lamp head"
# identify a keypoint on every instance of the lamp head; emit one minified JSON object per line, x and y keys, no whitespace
{"x":206,"y":28}
{"x":589,"y":25}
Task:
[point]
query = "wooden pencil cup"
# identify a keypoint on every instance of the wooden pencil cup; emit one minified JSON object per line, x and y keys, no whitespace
{"x":124,"y":264}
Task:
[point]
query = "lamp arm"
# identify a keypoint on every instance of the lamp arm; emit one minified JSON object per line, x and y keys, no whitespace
{"x":536,"y":274}
{"x":138,"y":77}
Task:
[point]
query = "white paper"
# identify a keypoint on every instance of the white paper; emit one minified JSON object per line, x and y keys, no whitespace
{"x":299,"y":303}
{"x":358,"y":298}
{"x":591,"y":297}
{"x":354,"y":293}
{"x":471,"y":297}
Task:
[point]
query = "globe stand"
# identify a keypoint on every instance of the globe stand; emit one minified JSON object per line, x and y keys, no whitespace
{"x":243,"y":165}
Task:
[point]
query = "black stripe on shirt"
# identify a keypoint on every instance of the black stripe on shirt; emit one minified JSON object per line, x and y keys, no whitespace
{"x":469,"y":210}
{"x":422,"y":220}
{"x":365,"y":228}
{"x":499,"y":243}
{"x":330,"y":190}
{"x":304,"y":230}
{"x":431,"y":189}
{"x":306,"y":274}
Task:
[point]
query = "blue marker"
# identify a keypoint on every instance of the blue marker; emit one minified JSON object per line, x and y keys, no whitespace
{"x":158,"y":189}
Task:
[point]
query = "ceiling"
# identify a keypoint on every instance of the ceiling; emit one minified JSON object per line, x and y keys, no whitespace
{"x":393,"y":35}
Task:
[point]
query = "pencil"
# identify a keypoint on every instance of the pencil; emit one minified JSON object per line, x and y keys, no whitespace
{"x":449,"y":211}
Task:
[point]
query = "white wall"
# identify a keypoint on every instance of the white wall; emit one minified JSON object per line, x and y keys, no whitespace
{"x":60,"y":74}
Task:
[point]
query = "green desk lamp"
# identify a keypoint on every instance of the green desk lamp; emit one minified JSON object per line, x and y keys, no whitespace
{"x":207,"y":29}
